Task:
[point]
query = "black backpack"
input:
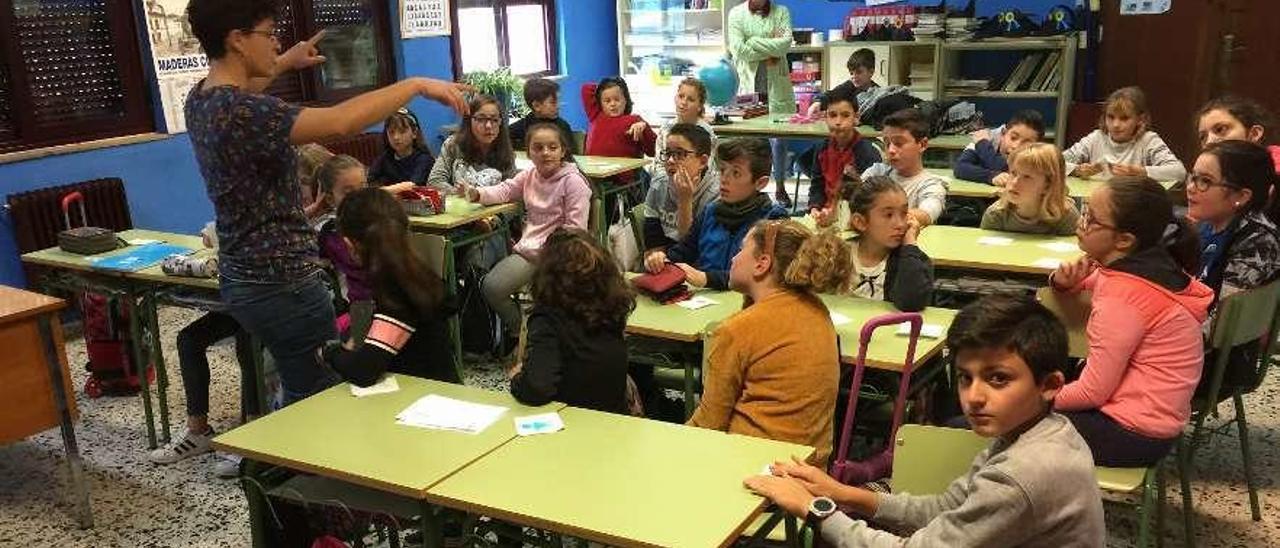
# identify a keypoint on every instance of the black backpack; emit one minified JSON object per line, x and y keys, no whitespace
{"x":479,"y":324}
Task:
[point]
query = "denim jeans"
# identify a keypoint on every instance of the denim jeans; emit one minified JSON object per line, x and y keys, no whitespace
{"x":291,"y":319}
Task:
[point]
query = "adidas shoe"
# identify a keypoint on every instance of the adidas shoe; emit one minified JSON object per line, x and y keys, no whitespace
{"x":190,"y":445}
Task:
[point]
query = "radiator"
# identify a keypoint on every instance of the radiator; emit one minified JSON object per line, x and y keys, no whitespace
{"x":365,"y":147}
{"x":37,"y":215}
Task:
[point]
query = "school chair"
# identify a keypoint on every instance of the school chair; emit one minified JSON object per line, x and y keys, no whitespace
{"x":637,"y":228}
{"x":928,"y":458}
{"x":1072,"y":309}
{"x":1248,"y":317}
{"x":437,"y":251}
{"x":580,"y":142}
{"x":1148,"y":484}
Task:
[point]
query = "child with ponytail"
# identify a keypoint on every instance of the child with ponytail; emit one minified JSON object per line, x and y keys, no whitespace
{"x":1145,"y":353}
{"x":408,"y":334}
{"x":778,"y":379}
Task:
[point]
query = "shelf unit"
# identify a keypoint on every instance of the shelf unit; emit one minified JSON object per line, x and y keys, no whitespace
{"x":949,"y":67}
{"x":894,"y":61}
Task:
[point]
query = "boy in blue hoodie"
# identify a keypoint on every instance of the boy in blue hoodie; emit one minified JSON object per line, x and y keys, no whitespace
{"x":986,"y":159}
{"x":716,"y":235}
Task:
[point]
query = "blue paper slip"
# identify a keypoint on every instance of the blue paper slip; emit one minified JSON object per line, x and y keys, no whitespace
{"x":545,"y":423}
{"x":135,"y":258}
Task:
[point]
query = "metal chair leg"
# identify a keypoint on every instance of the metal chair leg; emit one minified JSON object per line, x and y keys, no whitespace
{"x":1145,"y":507}
{"x":1188,"y":509}
{"x":1160,"y":501}
{"x":1243,"y":427}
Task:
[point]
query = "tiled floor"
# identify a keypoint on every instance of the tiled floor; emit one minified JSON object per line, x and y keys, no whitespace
{"x":136,"y":503}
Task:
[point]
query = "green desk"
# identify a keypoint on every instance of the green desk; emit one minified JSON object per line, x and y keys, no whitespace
{"x":887,"y":350}
{"x":1076,"y":187}
{"x":779,"y":127}
{"x":621,"y":481}
{"x":960,"y":247}
{"x":674,"y":323}
{"x":457,"y":213}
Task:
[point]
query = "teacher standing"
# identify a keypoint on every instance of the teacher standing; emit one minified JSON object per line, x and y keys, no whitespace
{"x":270,"y":279}
{"x":759,"y":37}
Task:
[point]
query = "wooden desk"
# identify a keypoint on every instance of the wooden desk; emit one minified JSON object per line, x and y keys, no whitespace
{"x":35,"y":383}
{"x":621,"y":481}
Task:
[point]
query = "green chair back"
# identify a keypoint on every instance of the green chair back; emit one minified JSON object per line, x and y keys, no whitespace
{"x":1245,"y":317}
{"x":437,"y":251}
{"x":637,"y":228}
{"x":580,"y":142}
{"x":928,"y":458}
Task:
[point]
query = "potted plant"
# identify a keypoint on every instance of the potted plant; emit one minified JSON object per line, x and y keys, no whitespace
{"x":501,"y":84}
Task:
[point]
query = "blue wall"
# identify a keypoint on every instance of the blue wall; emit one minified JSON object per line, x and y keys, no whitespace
{"x":163,"y":182}
{"x":826,"y":14}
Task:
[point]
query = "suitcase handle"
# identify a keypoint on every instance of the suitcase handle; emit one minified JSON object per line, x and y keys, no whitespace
{"x":70,"y":198}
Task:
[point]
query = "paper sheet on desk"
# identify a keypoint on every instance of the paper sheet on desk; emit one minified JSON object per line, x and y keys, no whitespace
{"x":1060,"y":247}
{"x":928,"y":330}
{"x":838,"y":319}
{"x":995,"y":240}
{"x":696,"y":302}
{"x":1047,"y":262}
{"x":545,"y":423}
{"x":441,"y":413}
{"x":387,"y":385}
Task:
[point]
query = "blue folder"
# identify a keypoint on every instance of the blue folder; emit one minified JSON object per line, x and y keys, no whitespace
{"x":135,"y":258}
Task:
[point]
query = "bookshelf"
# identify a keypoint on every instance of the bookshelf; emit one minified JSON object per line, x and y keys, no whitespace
{"x":910,"y":64}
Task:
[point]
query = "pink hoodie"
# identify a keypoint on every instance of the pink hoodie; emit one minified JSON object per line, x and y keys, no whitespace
{"x":1145,"y":353}
{"x":563,"y":199}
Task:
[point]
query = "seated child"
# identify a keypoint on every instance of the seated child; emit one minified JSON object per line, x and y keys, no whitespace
{"x":1035,"y":199}
{"x":906,"y":137}
{"x":683,"y":188}
{"x":887,"y":264}
{"x":338,"y":178}
{"x":691,"y":104}
{"x":405,"y":156}
{"x":1145,"y":353}
{"x":986,"y":159}
{"x":575,"y":352}
{"x":717,"y":231}
{"x":841,"y":158}
{"x":543,"y":97}
{"x":1033,"y":486}
{"x":1123,"y":144}
{"x":773,"y":368}
{"x":409,"y":333}
{"x":1234,"y":117}
{"x":554,"y":194}
{"x":614,"y":130}
{"x":310,"y":157}
{"x":862,"y":66}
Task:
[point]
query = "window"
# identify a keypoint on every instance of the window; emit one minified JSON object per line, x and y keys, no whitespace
{"x":356,"y":46}
{"x":69,"y":72}
{"x":489,"y":34}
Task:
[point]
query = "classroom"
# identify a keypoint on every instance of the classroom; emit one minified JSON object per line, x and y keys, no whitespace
{"x":662,"y":273}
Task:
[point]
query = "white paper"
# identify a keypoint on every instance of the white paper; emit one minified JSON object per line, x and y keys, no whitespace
{"x":928,"y":330}
{"x":838,"y":319}
{"x":386,"y":386}
{"x":767,"y":471}
{"x":545,"y":423}
{"x":441,"y":413}
{"x":1060,"y":247}
{"x":143,"y":241}
{"x":420,"y":18}
{"x":1144,"y":7}
{"x":995,"y":240}
{"x":1047,"y":262}
{"x":696,"y":302}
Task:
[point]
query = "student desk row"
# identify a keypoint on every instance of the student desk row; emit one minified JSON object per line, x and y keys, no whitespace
{"x":608,"y":478}
{"x":771,"y":126}
{"x":1076,"y":187}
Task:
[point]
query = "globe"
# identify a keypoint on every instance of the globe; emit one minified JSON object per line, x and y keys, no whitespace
{"x":721,"y":81}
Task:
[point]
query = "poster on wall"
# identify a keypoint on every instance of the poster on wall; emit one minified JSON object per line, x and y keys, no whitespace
{"x":179,"y":61}
{"x":420,"y":18}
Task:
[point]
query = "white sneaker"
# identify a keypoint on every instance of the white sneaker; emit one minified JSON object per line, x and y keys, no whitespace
{"x":190,"y":445}
{"x":227,"y":467}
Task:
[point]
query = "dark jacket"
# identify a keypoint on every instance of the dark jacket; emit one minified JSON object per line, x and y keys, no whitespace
{"x":567,"y":363}
{"x":389,"y":170}
{"x":400,"y":340}
{"x":710,"y":245}
{"x":865,"y":155}
{"x":980,"y":163}
{"x":908,"y":279}
{"x":521,"y":127}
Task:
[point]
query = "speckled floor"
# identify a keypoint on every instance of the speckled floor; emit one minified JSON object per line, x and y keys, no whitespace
{"x":136,"y":503}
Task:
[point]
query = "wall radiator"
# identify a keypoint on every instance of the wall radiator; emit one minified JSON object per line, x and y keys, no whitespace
{"x":37,"y":215}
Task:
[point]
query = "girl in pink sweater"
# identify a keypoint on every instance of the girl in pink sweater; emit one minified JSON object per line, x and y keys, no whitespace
{"x":554,"y":194}
{"x":1145,"y":352}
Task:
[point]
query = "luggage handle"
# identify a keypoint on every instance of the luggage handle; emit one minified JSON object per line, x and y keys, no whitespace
{"x":864,"y":340}
{"x":70,"y":198}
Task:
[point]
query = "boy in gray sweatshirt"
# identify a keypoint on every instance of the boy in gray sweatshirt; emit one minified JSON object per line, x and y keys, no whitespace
{"x":1033,"y":486}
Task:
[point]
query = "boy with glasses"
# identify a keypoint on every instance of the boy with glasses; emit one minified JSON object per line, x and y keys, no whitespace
{"x":684,"y":186}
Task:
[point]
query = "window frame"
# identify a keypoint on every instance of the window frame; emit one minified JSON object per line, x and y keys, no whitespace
{"x":504,"y":46}
{"x":310,"y":86}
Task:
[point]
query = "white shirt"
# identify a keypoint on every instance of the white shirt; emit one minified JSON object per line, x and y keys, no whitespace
{"x":868,"y":281}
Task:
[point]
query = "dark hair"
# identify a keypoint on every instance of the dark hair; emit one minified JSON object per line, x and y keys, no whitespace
{"x":1142,"y":208}
{"x":565,"y":144}
{"x":399,"y":277}
{"x":862,"y":194}
{"x":863,"y":58}
{"x":697,"y":86}
{"x":763,"y":10}
{"x":693,"y":133}
{"x":327,"y":175}
{"x":1248,"y":165}
{"x":804,"y":261}
{"x":1030,"y":118}
{"x":579,"y":277}
{"x":403,"y":118}
{"x":539,"y":89}
{"x":754,"y":149}
{"x":618,"y":82}
{"x":1016,"y":323}
{"x":839,"y":95}
{"x":500,"y":155}
{"x":212,"y":20}
{"x":911,"y":120}
{"x":1249,"y":112}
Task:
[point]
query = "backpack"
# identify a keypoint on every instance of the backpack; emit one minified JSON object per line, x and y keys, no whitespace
{"x":479,"y":323}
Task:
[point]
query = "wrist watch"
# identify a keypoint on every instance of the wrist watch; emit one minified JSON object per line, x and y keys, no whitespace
{"x":820,"y":508}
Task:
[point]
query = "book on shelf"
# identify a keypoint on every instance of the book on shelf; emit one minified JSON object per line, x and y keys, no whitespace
{"x":963,"y":87}
{"x":1053,"y":81}
{"x":1049,"y":66}
{"x":1022,"y":72}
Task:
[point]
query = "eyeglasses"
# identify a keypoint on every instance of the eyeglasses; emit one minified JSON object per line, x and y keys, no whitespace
{"x":485,"y":121}
{"x":676,"y":154}
{"x":1087,"y":220}
{"x":272,"y":34}
{"x":1203,"y":183}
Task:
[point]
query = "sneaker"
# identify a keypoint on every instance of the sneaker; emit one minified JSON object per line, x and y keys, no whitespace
{"x":190,"y":445}
{"x":227,"y":467}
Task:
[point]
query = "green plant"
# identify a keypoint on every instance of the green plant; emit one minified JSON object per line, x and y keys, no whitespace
{"x":502,"y":85}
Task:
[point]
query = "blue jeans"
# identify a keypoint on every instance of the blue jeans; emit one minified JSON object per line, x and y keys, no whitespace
{"x":292,"y":319}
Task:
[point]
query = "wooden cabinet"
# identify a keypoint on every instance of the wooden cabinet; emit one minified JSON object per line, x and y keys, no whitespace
{"x":910,"y":64}
{"x":27,"y":404}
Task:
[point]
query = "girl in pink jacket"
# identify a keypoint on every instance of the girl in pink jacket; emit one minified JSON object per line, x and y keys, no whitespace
{"x":1145,"y":350}
{"x":554,"y":194}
